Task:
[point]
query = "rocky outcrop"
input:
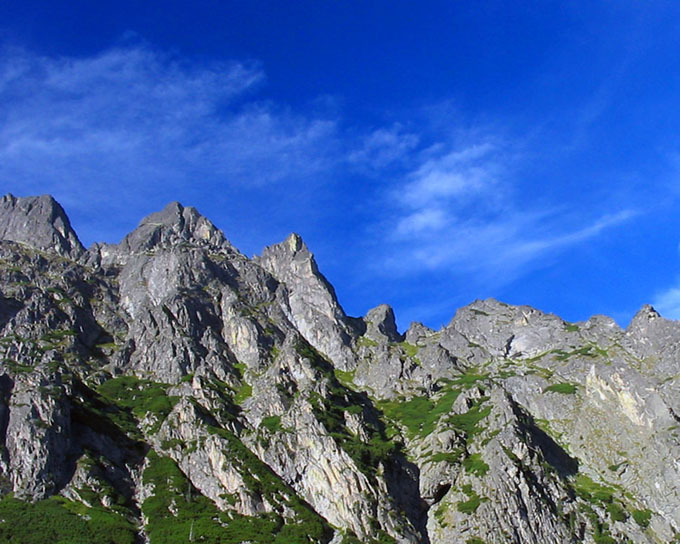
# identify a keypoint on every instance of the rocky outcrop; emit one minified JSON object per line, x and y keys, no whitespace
{"x":312,"y":305}
{"x":39,"y":222}
{"x":167,"y":387}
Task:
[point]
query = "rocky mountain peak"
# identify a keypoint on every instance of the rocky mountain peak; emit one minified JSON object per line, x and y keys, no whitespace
{"x":188,"y":393}
{"x":313,"y":304}
{"x":292,"y":249}
{"x":295,"y":243}
{"x":645,"y":315}
{"x":381,"y":324}
{"x":416,"y":332}
{"x":174,"y":225}
{"x":39,"y":222}
{"x":292,"y":263}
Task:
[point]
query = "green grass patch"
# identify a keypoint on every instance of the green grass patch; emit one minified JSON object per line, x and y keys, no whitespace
{"x":61,"y":521}
{"x":419,"y":414}
{"x":469,"y":421}
{"x":563,"y":388}
{"x":642,"y":517}
{"x":616,"y":511}
{"x":243,"y":393}
{"x":140,"y":397}
{"x":469,"y":379}
{"x":617,"y":466}
{"x":271,"y":423}
{"x":245,"y":390}
{"x":591,"y":491}
{"x":103,"y":415}
{"x":381,"y":537}
{"x":471,"y":505}
{"x":410,"y":350}
{"x":451,"y":457}
{"x":365,"y":342}
{"x":604,"y":538}
{"x":345,"y":377}
{"x":602,"y":495}
{"x":589,"y":350}
{"x":474,"y":464}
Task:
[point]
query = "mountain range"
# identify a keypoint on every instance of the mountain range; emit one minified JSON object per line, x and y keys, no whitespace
{"x":169,"y":389}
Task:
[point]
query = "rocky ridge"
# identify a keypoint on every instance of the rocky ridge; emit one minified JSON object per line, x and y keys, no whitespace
{"x":170,"y":389}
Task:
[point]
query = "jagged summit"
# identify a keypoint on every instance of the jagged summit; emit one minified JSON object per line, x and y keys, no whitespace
{"x":314,"y":306}
{"x":295,"y":243}
{"x":381,"y":324}
{"x":169,"y":389}
{"x":643,"y":317}
{"x":40,"y":222}
{"x":175,"y":225}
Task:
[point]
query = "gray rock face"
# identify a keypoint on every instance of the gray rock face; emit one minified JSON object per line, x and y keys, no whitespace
{"x":174,"y":226}
{"x":381,"y":325}
{"x":39,"y":222}
{"x":177,"y":387}
{"x":312,"y":305}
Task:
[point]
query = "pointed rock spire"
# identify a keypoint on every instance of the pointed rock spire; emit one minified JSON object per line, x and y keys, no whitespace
{"x":39,"y":222}
{"x":642,"y":320}
{"x":314,"y":307}
{"x":291,"y":261}
{"x":381,"y":325}
{"x":173,"y":225}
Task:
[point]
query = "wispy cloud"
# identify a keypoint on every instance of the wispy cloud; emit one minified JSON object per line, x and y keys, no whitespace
{"x":143,"y":123}
{"x":383,"y":147}
{"x":667,"y":302}
{"x":443,"y":184}
{"x":458,"y":210}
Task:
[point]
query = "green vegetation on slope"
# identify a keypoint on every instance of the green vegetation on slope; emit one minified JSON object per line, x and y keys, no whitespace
{"x":272,"y":423}
{"x":330,"y":411}
{"x":563,"y":388}
{"x":642,"y":517}
{"x":468,"y":422}
{"x":603,"y":496}
{"x":176,"y":510}
{"x":139,"y":397}
{"x":474,"y":501}
{"x":61,"y":521}
{"x":245,"y":391}
{"x":474,"y":464}
{"x":419,"y":414}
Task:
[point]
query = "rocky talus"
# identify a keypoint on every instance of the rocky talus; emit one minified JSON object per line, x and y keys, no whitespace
{"x":170,"y":389}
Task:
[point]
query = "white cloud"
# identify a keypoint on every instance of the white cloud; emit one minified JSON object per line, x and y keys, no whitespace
{"x":443,"y":184}
{"x":383,"y":147}
{"x":457,"y":174}
{"x":457,"y":210}
{"x":667,"y":302}
{"x":140,"y":122}
{"x":422,"y":220}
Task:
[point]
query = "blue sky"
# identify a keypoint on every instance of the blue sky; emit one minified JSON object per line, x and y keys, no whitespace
{"x":429,"y":155}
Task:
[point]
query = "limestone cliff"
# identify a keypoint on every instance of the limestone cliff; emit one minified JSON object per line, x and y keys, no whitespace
{"x":170,"y":389}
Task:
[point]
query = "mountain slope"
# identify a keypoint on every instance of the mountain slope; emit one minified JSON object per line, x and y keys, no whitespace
{"x":169,"y":389}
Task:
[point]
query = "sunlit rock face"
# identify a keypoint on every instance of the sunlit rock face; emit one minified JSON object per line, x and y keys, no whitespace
{"x":168,"y":388}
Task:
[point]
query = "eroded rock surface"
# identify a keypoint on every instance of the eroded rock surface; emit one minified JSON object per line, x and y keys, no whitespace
{"x":167,"y":387}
